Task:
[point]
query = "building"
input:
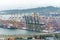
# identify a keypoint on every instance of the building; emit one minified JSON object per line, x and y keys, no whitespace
{"x":33,"y":22}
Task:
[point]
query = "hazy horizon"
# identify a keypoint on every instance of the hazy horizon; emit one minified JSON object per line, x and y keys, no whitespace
{"x":27,"y":4}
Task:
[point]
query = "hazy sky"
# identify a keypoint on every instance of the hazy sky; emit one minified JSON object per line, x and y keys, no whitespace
{"x":23,"y":4}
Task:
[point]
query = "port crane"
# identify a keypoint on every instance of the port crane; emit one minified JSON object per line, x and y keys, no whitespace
{"x":14,"y":21}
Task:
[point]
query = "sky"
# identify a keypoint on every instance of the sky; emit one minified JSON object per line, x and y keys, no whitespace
{"x":26,"y":4}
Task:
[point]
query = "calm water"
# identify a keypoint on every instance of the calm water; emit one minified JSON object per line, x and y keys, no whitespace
{"x":15,"y":32}
{"x":19,"y":31}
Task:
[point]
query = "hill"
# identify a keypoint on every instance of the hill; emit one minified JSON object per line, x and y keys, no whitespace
{"x":37,"y":10}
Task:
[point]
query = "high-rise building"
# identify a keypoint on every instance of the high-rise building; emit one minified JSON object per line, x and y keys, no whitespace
{"x":33,"y":22}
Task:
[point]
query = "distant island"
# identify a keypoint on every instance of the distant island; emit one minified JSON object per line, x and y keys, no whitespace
{"x":43,"y":10}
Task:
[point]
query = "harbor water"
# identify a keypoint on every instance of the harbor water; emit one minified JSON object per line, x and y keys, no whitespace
{"x":5,"y":31}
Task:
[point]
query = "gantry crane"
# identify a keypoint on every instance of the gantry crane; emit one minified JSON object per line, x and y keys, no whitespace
{"x":14,"y":22}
